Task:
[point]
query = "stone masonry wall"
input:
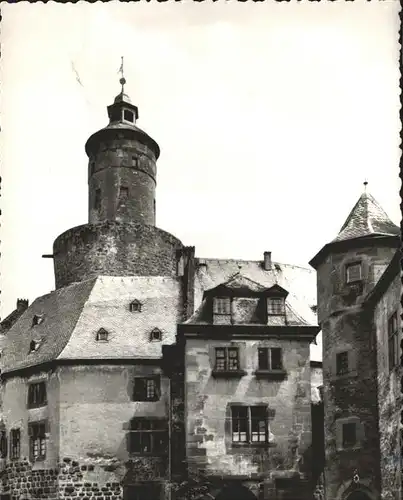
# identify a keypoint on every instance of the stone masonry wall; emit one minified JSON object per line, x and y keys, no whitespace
{"x":114,"y":249}
{"x":389,"y":401}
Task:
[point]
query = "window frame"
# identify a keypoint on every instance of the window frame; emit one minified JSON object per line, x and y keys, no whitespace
{"x":249,"y":422}
{"x":3,"y":444}
{"x":155,"y":335}
{"x":15,"y":444}
{"x":268,"y":351}
{"x":222,"y":306}
{"x":135,"y":306}
{"x":36,"y":389}
{"x":124,"y":111}
{"x":37,"y":438}
{"x":393,"y":341}
{"x":157,"y":427}
{"x":349,"y":266}
{"x":278,"y":309}
{"x":227,"y":359}
{"x":141,"y":393}
{"x":102,"y":335}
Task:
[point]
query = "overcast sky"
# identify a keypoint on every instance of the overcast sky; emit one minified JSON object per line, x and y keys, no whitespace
{"x":269,"y":117}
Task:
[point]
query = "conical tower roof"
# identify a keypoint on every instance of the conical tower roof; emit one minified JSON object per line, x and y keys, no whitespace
{"x":365,"y":219}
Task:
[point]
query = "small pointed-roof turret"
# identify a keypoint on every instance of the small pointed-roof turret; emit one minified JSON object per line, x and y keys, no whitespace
{"x":365,"y":219}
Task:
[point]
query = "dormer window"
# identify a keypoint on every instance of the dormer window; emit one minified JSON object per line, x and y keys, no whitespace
{"x":37,"y":319}
{"x":276,"y":306}
{"x":102,"y":335}
{"x":128,"y":115}
{"x":135,"y":306}
{"x":353,"y":272}
{"x":222,"y":305}
{"x":34,"y":345}
{"x":156,"y":335}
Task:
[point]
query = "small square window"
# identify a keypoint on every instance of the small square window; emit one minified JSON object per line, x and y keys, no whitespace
{"x":342,"y":363}
{"x":222,"y":305}
{"x":128,"y":115}
{"x":349,"y":435}
{"x":275,"y":306}
{"x":353,"y":272}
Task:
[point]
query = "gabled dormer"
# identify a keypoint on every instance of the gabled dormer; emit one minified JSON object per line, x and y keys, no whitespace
{"x":275,"y":304}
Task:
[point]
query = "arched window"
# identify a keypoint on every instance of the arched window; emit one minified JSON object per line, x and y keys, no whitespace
{"x":135,"y":306}
{"x":102,"y":335}
{"x":156,"y":335}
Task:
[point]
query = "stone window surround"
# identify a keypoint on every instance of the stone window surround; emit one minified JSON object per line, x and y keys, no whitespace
{"x":138,"y":396}
{"x":352,"y":363}
{"x":350,"y":265}
{"x":36,"y":394}
{"x":42,"y":438}
{"x":339,"y":433}
{"x":15,"y":443}
{"x":250,"y":443}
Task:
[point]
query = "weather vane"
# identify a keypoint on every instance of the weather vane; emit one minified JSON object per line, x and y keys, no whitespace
{"x":122,"y":80}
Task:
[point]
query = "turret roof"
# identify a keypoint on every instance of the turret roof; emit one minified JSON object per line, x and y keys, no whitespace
{"x":365,"y":219}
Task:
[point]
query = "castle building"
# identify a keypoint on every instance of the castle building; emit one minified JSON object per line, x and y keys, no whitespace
{"x":359,"y":292}
{"x":149,"y":373}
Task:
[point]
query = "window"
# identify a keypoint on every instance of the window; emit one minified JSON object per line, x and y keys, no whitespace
{"x":135,"y":306}
{"x":349,"y":435}
{"x":222,"y":305}
{"x":392,"y":341}
{"x":147,"y":436}
{"x":37,"y":319}
{"x":156,"y":335}
{"x":135,"y":161}
{"x":37,"y":441}
{"x":249,"y":424}
{"x":146,"y":389}
{"x":353,"y":272}
{"x":270,"y":358}
{"x":342,"y":363}
{"x":3,"y":444}
{"x":34,"y":345}
{"x":275,"y":306}
{"x":128,"y":115}
{"x":102,"y":335}
{"x":97,"y":199}
{"x":15,"y":443}
{"x":226,"y":359}
{"x":123,"y":194}
{"x":37,"y":395}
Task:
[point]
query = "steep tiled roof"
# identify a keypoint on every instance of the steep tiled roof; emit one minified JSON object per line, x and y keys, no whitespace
{"x":73,"y":315}
{"x":240,"y":282}
{"x":129,"y":332}
{"x":365,"y":219}
{"x":60,"y":311}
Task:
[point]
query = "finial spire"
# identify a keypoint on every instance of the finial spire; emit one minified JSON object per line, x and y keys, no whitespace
{"x":365,"y":185}
{"x":122,"y":80}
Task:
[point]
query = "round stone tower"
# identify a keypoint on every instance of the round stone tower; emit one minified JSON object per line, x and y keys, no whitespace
{"x":121,"y":238}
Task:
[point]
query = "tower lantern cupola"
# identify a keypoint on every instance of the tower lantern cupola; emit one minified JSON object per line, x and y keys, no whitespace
{"x":122,"y":167}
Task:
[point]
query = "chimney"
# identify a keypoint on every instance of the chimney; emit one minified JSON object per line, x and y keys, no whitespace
{"x":267,"y":261}
{"x":22,"y":305}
